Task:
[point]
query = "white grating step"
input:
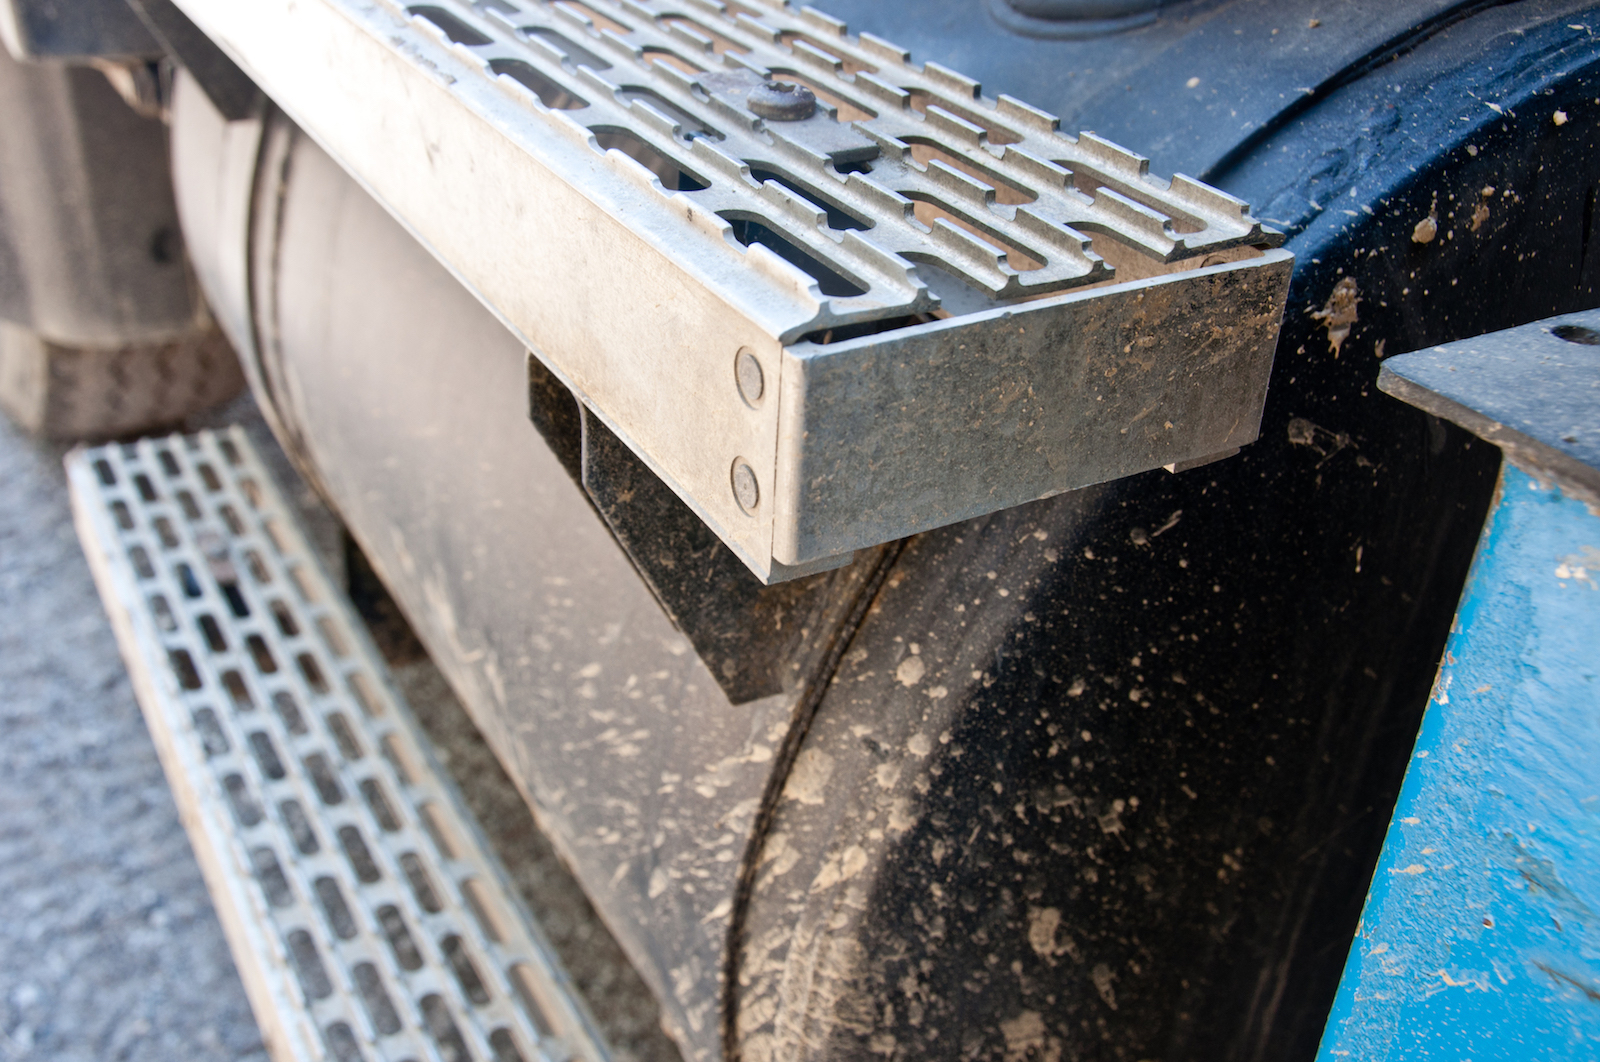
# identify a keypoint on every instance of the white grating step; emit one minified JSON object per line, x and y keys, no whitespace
{"x":367,"y":915}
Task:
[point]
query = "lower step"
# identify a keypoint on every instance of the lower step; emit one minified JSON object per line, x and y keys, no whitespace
{"x":366,"y":913}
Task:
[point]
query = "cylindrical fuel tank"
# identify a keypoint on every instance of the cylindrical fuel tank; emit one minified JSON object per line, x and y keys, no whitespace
{"x":1101,"y":777}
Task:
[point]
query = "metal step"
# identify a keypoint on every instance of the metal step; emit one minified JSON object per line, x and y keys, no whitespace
{"x":367,"y":915}
{"x":914,"y":306}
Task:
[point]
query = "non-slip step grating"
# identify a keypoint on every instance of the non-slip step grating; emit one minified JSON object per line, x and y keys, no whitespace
{"x":367,"y":915}
{"x":914,"y":306}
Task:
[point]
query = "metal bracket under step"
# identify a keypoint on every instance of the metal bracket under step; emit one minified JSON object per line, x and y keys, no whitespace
{"x":367,"y":915}
{"x":905,"y":307}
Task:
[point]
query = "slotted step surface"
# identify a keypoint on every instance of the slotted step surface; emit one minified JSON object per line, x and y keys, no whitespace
{"x":940,"y":303}
{"x":367,"y":915}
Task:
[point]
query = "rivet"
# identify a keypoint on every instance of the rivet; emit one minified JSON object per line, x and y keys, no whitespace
{"x":746,"y":491}
{"x":747,"y":371}
{"x":781,"y":101}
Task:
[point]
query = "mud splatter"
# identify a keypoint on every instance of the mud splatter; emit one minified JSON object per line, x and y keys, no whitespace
{"x":1339,"y":314}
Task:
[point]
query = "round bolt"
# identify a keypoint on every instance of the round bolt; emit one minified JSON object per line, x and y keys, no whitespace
{"x":780,"y":101}
{"x":747,"y":371}
{"x":746,"y":491}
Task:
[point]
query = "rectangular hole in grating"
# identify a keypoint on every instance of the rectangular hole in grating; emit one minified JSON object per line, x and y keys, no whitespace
{"x":261,"y":654}
{"x":533,"y":994}
{"x":332,"y":638}
{"x":236,"y":602}
{"x":212,"y":738}
{"x":183,"y":667}
{"x":270,"y":876}
{"x":258,"y":567}
{"x":356,"y":851}
{"x":749,"y":229}
{"x":284,"y":704}
{"x":454,"y":29}
{"x":285,"y":618}
{"x":362,"y":690}
{"x":324,"y":779}
{"x":233,"y":682}
{"x":337,"y":912}
{"x":208,"y":476}
{"x":839,"y":216}
{"x":186,"y":502}
{"x":251,"y":491}
{"x":434,"y":823}
{"x":342,"y":1043}
{"x":266,"y":755}
{"x":230,"y":519}
{"x":397,"y":759}
{"x":442,"y":1027}
{"x":720,"y":45}
{"x":308,"y":966}
{"x":461,"y":964}
{"x":925,"y":151}
{"x":601,"y":22}
{"x":299,"y":827}
{"x":378,"y":801}
{"x":102,"y":468}
{"x":147,"y":490}
{"x":344,"y":737}
{"x":302,"y":582}
{"x":163,"y":613}
{"x":369,"y":984}
{"x":141,"y":562}
{"x":212,"y":634}
{"x":230,"y":452}
{"x":186,"y":579}
{"x":245,"y":809}
{"x":120,"y":512}
{"x":312,"y":672}
{"x":504,"y":1046}
{"x":928,"y":211}
{"x":393,"y":924}
{"x":577,"y":53}
{"x":550,"y":92}
{"x":421,"y":885}
{"x":483,"y":909}
{"x":169,"y":464}
{"x":164,"y":531}
{"x":692,"y":126}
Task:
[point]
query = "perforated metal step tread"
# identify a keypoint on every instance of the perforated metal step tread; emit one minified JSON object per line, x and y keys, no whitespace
{"x":367,"y":915}
{"x":825,"y":326}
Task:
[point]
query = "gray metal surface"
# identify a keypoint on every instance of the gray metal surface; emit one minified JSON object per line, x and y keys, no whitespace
{"x":1533,"y":391}
{"x":624,"y":200}
{"x":368,"y":915}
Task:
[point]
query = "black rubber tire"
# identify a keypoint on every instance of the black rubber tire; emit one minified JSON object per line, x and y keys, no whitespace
{"x":82,"y":393}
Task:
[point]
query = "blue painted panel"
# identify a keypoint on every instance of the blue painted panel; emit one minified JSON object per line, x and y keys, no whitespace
{"x":1481,"y":934}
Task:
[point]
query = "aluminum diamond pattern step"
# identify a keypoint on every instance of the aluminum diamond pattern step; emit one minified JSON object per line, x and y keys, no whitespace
{"x":595,"y":172}
{"x":367,"y":915}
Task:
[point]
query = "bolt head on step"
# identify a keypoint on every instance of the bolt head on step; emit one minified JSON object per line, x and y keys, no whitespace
{"x":746,"y":491}
{"x":780,"y":101}
{"x":751,"y":380}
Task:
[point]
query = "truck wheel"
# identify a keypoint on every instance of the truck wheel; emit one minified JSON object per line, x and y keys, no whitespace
{"x":71,"y":393}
